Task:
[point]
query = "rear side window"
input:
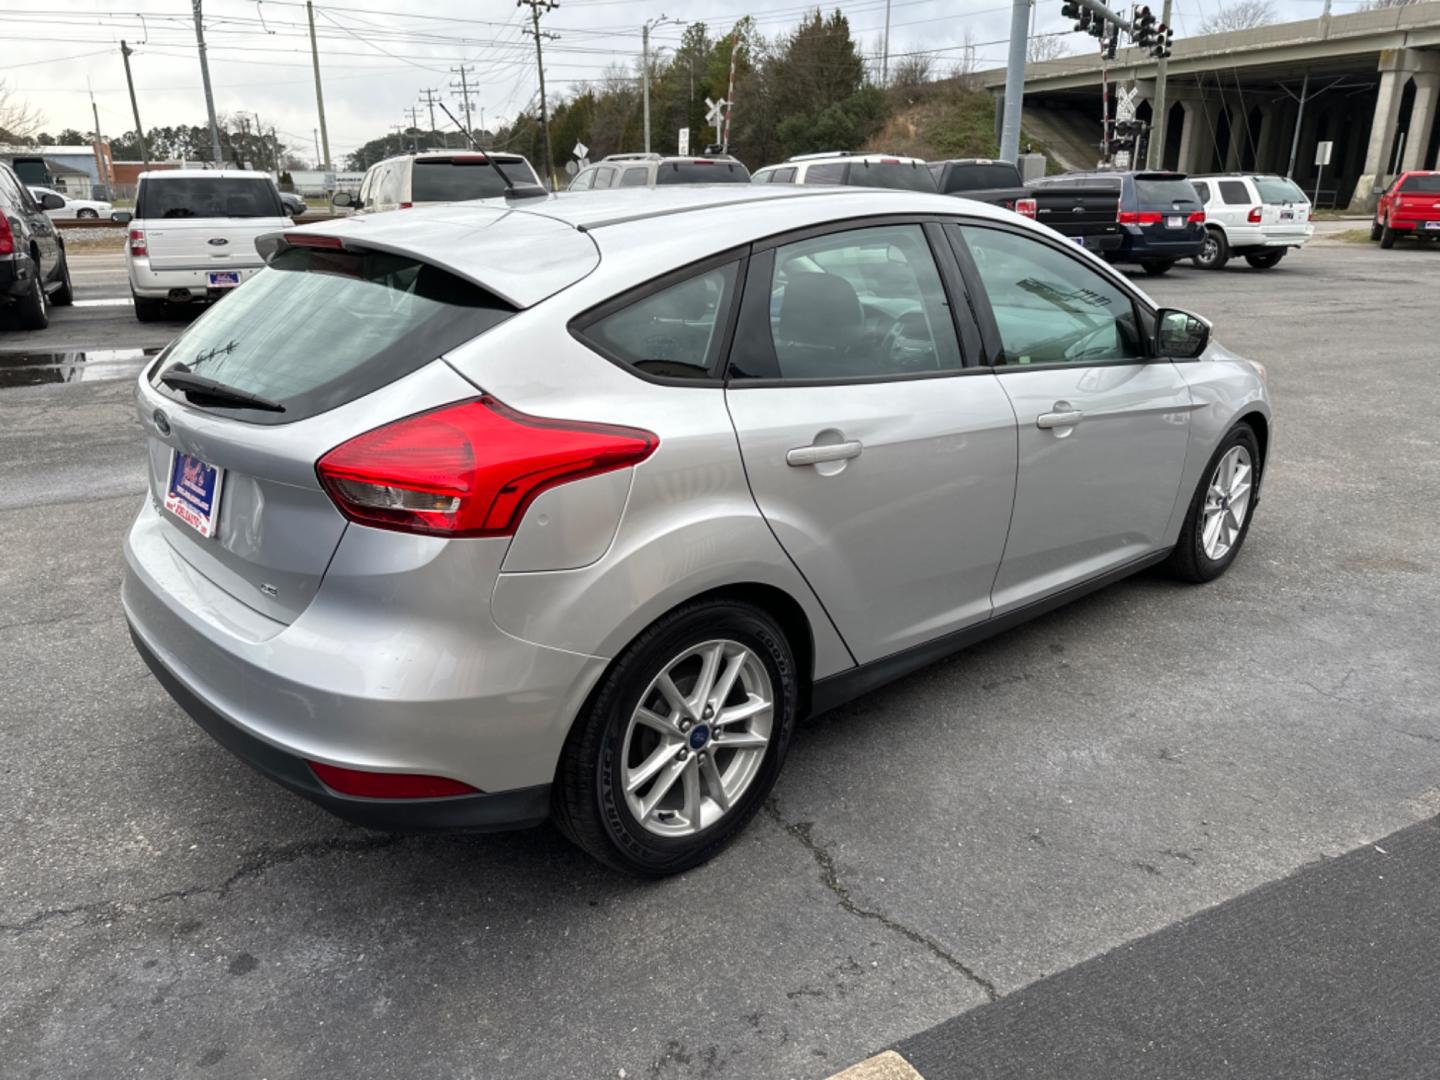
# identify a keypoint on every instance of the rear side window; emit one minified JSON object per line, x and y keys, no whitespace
{"x":1160,"y":191}
{"x":208,"y":197}
{"x":675,"y":332}
{"x":702,"y":172}
{"x":456,"y":179}
{"x":1202,"y":189}
{"x":1234,"y":193}
{"x":828,"y":173}
{"x":318,"y":328}
{"x":980,"y":177}
{"x":898,"y":176}
{"x":605,"y":176}
{"x":783,"y":176}
{"x":1421,"y":185}
{"x":1277,"y":189}
{"x":635,"y":176}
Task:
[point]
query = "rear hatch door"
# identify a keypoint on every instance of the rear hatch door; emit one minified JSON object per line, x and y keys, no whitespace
{"x":207,"y":222}
{"x":1175,"y":199}
{"x":1284,"y":209}
{"x":329,"y":343}
{"x":460,"y":177}
{"x":1418,"y":201}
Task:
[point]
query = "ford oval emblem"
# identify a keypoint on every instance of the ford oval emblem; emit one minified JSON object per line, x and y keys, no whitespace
{"x":218,"y":241}
{"x":162,"y":424}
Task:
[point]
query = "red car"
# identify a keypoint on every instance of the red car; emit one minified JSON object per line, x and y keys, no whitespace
{"x":1410,"y":205}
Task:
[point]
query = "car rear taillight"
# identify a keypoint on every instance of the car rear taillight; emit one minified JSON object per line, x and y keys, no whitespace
{"x":1254,"y":216}
{"x":1197,"y":218}
{"x":470,"y":469}
{"x":406,"y":205}
{"x":300,"y":239}
{"x":377,"y":785}
{"x":1027,"y":208}
{"x":137,"y":242}
{"x":1139,"y":217}
{"x":7,"y":238}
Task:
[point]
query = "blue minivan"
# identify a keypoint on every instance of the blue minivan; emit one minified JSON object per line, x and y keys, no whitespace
{"x":1162,"y":219}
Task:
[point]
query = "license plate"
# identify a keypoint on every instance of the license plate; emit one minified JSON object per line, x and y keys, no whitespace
{"x":225,"y":279}
{"x":1175,"y":222}
{"x":193,"y":492}
{"x":1287,"y":215}
{"x":1433,"y":225}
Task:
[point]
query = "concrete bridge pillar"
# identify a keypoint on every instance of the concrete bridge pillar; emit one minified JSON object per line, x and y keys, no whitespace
{"x":1396,"y":68}
{"x":1189,"y":136}
{"x":1422,"y":119}
{"x":1236,"y":148}
{"x":1272,"y":119}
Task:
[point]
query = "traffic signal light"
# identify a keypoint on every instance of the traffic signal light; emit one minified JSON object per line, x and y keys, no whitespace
{"x":1164,"y":36}
{"x":1111,"y":41}
{"x":1070,"y":10}
{"x":1143,"y":27}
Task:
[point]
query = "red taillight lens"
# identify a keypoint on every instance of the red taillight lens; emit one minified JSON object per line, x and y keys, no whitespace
{"x":300,"y":239}
{"x":7,"y":238}
{"x":470,"y":469}
{"x":1027,"y":208}
{"x":1139,"y":217}
{"x":376,"y":785}
{"x":1197,"y":218}
{"x":1254,"y":216}
{"x":137,"y":242}
{"x":406,"y":205}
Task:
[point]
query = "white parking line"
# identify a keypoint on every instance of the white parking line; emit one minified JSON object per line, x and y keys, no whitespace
{"x":111,"y":301}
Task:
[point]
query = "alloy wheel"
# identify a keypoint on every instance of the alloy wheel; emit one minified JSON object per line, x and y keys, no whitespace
{"x":1227,"y":499}
{"x":1209,"y":249}
{"x":697,"y":739}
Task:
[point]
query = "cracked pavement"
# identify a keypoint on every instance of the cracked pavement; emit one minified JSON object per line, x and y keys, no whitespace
{"x":1068,"y":787}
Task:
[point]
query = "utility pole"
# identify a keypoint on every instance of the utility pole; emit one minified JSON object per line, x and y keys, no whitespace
{"x":1155,"y":156}
{"x":465,"y":93}
{"x":536,"y":7}
{"x":645,"y":28}
{"x":319,"y":96}
{"x":885,"y":50}
{"x":125,"y":51}
{"x":399,"y":130}
{"x":1015,"y":80}
{"x":316,"y":134}
{"x":414,"y":112}
{"x":430,"y":101}
{"x":205,"y":78}
{"x":101,"y":166}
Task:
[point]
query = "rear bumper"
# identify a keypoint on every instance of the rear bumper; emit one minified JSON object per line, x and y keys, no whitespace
{"x":152,"y":284}
{"x":1138,"y":245}
{"x":1261,"y":238}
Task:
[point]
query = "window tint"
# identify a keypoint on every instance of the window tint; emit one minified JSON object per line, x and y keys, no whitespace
{"x":898,"y":176}
{"x":470,"y":177}
{"x":1277,"y":189}
{"x":828,"y":173}
{"x":977,"y":177}
{"x":208,"y":197}
{"x":635,"y":176}
{"x":1202,"y":189}
{"x":1050,"y":307}
{"x":783,"y":176}
{"x":673,"y":333}
{"x":701,"y":172}
{"x":1234,"y":193}
{"x":861,"y":302}
{"x":1153,"y":191}
{"x":1420,"y":185}
{"x":318,"y":328}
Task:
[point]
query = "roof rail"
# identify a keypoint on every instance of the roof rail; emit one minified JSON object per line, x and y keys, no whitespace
{"x":816,"y":157}
{"x":631,"y":157}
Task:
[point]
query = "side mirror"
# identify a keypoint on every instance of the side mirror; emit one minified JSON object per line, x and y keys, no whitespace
{"x":343,"y":198}
{"x":1179,"y":334}
{"x":121,"y":217}
{"x":51,"y":202}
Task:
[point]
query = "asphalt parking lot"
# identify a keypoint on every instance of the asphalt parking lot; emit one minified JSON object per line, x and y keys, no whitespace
{"x":970,"y":835}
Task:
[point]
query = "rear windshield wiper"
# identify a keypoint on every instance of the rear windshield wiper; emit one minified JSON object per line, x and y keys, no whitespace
{"x":203,"y":390}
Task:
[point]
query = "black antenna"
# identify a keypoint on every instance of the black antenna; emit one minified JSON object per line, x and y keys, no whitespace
{"x":510,"y":191}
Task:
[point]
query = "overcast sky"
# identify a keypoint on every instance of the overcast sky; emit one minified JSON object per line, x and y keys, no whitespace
{"x":376,"y":65}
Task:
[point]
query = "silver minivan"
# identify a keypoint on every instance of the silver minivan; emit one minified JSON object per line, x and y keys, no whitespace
{"x":571,"y":508}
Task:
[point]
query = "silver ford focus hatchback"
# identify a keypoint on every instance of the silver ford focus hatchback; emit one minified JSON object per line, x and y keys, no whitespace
{"x":476,"y":515}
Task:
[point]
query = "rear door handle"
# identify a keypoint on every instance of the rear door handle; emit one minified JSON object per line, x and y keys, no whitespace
{"x":815,"y":455}
{"x":1067,"y":418}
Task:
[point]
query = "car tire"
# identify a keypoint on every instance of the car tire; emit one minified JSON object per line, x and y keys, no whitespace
{"x":1213,"y":534}
{"x":1267,"y":261}
{"x":602,"y":785}
{"x":65,"y":295}
{"x":1375,"y":230}
{"x":1387,"y":237}
{"x":32,"y":311}
{"x":147,"y":310}
{"x":1156,"y":267}
{"x":1215,"y":253}
{"x":88,"y":215}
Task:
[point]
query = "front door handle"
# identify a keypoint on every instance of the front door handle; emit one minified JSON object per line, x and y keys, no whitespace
{"x":817,"y":454}
{"x":1061,"y":418}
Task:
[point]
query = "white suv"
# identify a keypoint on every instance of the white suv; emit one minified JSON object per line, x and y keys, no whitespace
{"x":439,"y":176}
{"x":654,"y":170}
{"x":1259,"y":217}
{"x":852,"y":170}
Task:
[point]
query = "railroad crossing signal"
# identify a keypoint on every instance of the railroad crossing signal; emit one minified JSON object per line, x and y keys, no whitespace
{"x":715,"y":112}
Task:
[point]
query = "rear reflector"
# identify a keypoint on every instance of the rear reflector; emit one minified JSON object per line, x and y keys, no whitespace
{"x":1027,"y":208}
{"x":377,"y":785}
{"x":1139,"y":217}
{"x":300,"y":239}
{"x":470,"y":469}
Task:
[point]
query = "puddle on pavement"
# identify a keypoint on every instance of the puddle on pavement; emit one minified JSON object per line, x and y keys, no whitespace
{"x":24,"y":368}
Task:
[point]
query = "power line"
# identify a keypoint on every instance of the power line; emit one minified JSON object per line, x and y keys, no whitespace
{"x":537,"y":7}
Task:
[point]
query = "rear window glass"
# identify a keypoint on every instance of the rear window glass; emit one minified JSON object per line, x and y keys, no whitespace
{"x":446,"y":180}
{"x":701,"y":172}
{"x":1422,"y":185}
{"x":1148,"y":192}
{"x":208,"y":197}
{"x":981,"y":177}
{"x":674,"y":333}
{"x":901,"y":177}
{"x":318,"y":328}
{"x":1276,"y":189}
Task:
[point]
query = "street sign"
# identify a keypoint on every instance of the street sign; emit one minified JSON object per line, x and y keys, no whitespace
{"x":580,"y":150}
{"x":715,"y":112}
{"x":1322,"y":152}
{"x":1126,"y":100}
{"x":683,"y":149}
{"x":1122,"y":159}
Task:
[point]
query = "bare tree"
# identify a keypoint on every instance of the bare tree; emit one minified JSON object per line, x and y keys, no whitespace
{"x":19,"y":122}
{"x":1046,"y":47}
{"x":910,"y":72}
{"x":965,"y":66}
{"x":1378,"y":5}
{"x":1241,"y":15}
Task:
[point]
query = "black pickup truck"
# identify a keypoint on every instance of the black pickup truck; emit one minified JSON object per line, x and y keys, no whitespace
{"x":1085,"y":215}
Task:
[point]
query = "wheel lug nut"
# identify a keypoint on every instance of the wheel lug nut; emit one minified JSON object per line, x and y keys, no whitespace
{"x":709,"y":712}
{"x":701,"y":756}
{"x":685,"y":725}
{"x":684,"y":753}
